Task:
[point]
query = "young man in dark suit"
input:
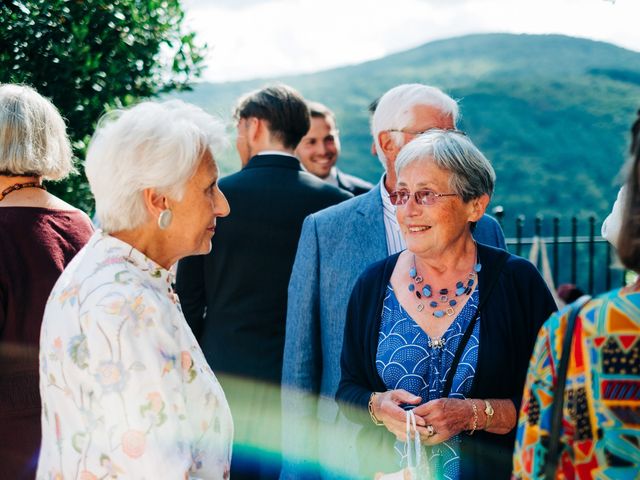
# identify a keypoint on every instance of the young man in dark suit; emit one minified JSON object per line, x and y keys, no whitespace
{"x":319,"y":149}
{"x":235,"y":298}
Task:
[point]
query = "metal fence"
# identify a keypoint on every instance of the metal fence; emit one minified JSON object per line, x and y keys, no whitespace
{"x":576,"y":253}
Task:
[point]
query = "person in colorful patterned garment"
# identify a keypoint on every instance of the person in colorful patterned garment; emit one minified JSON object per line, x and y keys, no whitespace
{"x":410,"y":314}
{"x":39,"y":235}
{"x":600,"y":435}
{"x":126,"y":391}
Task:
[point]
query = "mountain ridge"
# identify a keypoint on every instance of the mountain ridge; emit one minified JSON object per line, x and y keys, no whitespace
{"x":551,"y":112}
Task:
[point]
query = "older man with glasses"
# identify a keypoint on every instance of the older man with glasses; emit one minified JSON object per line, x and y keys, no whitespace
{"x":335,"y":247}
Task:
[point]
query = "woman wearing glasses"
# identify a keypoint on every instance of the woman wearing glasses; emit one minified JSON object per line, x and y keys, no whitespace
{"x":445,"y":327}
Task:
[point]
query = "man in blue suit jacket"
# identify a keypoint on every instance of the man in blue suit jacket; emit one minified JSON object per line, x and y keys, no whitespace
{"x":335,"y":247}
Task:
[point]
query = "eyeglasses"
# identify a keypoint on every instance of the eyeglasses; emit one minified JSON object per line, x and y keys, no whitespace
{"x":423,"y":197}
{"x":409,"y":132}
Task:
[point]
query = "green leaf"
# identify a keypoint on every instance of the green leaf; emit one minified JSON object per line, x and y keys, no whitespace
{"x":85,"y":55}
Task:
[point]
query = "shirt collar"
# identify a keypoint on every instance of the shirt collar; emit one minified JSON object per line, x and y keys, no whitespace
{"x":275,"y":152}
{"x":117,"y":250}
{"x":332,"y":178}
{"x":386,"y":200}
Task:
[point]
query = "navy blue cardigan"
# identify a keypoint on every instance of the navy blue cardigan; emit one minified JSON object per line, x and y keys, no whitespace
{"x":513,"y":313}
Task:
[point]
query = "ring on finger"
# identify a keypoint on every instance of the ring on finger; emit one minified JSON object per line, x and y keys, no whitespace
{"x":431,"y":431}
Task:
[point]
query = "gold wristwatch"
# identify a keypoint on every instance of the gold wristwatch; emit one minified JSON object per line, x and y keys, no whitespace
{"x":488,"y":411}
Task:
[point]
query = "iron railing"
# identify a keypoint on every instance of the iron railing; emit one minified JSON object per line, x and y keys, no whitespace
{"x":576,"y":253}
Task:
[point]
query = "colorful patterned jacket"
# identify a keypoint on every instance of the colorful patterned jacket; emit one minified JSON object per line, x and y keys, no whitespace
{"x":601,"y":425}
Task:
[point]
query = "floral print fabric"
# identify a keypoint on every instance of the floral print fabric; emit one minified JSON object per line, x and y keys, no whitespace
{"x":601,"y":422}
{"x":126,"y":391}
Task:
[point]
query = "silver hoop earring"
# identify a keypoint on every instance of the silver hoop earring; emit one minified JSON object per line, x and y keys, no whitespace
{"x":164,"y":219}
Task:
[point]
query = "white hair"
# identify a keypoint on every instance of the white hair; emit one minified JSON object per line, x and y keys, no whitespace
{"x":33,"y":136}
{"x":394,"y":110}
{"x":471,"y":173}
{"x":152,"y":145}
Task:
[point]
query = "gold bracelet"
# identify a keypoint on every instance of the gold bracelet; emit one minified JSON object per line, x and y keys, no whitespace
{"x":475,"y":417}
{"x":374,"y":419}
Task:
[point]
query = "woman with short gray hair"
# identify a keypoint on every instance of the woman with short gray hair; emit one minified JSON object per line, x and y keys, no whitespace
{"x":442,"y":332}
{"x":126,"y":390}
{"x":40,"y":234}
{"x":472,"y":176}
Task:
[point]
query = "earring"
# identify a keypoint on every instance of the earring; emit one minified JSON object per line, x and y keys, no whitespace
{"x":165,"y":218}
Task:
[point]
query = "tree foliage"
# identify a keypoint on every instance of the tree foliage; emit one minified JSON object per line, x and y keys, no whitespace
{"x":88,"y":57}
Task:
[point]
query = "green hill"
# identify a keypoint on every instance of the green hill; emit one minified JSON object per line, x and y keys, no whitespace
{"x":551,"y":112}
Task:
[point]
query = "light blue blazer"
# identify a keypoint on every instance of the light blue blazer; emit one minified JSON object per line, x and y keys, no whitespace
{"x":335,"y":247}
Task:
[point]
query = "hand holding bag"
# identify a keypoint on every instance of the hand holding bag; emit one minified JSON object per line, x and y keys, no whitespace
{"x":416,"y":469}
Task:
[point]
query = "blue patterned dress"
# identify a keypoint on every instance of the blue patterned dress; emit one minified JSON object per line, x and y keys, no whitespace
{"x":405,"y":361}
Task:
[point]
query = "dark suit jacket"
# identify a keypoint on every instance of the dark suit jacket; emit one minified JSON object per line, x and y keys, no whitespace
{"x":235,"y":298}
{"x":352,"y":184}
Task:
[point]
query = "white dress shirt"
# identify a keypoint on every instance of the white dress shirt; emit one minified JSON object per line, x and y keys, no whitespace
{"x":395,"y":240}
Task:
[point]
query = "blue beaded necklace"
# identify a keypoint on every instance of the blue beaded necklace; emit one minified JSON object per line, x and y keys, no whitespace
{"x":448,"y":304}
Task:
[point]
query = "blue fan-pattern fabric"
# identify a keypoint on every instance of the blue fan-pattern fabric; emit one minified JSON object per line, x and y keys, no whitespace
{"x":406,"y":361}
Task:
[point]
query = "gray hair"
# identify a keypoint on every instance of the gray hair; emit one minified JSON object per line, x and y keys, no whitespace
{"x":394,"y":110}
{"x":152,"y":145}
{"x":33,"y":135}
{"x":471,"y":173}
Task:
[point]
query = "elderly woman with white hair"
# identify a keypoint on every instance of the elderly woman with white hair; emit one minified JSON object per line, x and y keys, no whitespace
{"x":40,"y":235}
{"x":126,"y":390}
{"x":444,"y":329}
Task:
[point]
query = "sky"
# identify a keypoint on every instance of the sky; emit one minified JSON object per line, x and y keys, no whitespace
{"x":271,"y":38}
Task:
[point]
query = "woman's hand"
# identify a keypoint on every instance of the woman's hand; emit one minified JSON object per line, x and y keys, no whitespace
{"x":386,"y":408}
{"x":446,"y":417}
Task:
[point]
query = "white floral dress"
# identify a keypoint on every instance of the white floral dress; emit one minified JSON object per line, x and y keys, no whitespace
{"x":126,"y":391}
